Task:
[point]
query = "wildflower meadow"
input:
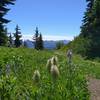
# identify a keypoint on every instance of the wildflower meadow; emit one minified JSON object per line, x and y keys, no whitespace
{"x":27,"y":74}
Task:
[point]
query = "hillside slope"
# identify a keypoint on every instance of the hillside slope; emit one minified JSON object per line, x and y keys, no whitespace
{"x":17,"y":69}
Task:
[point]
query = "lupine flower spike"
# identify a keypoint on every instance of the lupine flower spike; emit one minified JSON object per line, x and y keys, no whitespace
{"x":69,"y":55}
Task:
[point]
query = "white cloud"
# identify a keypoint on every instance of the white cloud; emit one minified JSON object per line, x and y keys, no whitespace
{"x":54,"y":37}
{"x":27,"y":37}
{"x":49,"y":37}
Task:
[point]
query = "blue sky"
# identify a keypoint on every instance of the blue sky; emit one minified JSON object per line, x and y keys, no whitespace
{"x":56,"y":19}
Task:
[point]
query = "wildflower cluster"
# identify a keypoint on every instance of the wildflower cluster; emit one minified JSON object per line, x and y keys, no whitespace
{"x":52,"y":66}
{"x":56,"y":80}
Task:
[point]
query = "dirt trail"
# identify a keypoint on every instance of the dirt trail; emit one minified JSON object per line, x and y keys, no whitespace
{"x":94,"y":88}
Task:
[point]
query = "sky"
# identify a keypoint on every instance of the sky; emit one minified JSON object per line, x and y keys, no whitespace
{"x":55,"y":19}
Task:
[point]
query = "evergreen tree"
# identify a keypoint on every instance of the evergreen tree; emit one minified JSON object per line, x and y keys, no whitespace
{"x":36,"y":38}
{"x":3,"y":11}
{"x":87,"y":19}
{"x":17,"y":36}
{"x":91,"y":28}
{"x":40,"y":42}
{"x":95,"y":37}
{"x":7,"y":37}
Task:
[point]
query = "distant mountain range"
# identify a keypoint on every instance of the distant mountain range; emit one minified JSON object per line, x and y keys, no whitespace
{"x":47,"y":44}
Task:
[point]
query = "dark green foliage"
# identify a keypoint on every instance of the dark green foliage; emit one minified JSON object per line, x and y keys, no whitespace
{"x":79,"y":45}
{"x":59,"y":44}
{"x":38,"y":40}
{"x":91,"y":27}
{"x":88,"y":42}
{"x":3,"y":36}
{"x":3,"y":12}
{"x":95,"y":44}
{"x":87,"y":19}
{"x":17,"y":36}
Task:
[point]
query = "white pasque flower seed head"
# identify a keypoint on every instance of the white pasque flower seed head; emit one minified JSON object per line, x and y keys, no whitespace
{"x":54,"y":71}
{"x":48,"y":65}
{"x":36,"y":76}
{"x":54,"y":60}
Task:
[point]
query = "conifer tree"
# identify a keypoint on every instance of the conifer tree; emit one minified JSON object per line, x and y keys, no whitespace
{"x":91,"y":27}
{"x":87,"y":19}
{"x":3,"y":21}
{"x":36,"y":38}
{"x":40,"y":42}
{"x":95,"y":34}
{"x":17,"y":36}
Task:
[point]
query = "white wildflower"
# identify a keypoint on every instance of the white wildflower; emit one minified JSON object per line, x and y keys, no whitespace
{"x":54,"y":71}
{"x":48,"y":65}
{"x":54,"y":60}
{"x":36,"y":76}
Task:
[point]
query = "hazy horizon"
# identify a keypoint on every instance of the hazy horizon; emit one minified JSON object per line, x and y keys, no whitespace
{"x":48,"y":37}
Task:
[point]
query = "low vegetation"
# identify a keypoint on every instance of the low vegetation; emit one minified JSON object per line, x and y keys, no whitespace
{"x":25,"y":75}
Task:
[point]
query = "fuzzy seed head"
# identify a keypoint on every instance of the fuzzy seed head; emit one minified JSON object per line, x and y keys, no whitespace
{"x":54,"y":60}
{"x":48,"y":65}
{"x":54,"y":71}
{"x":36,"y":76}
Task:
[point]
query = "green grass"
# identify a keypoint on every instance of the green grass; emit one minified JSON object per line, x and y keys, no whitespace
{"x":90,"y":68}
{"x":19,"y":85}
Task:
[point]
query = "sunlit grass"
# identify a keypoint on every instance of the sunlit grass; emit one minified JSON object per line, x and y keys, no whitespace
{"x":71,"y":83}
